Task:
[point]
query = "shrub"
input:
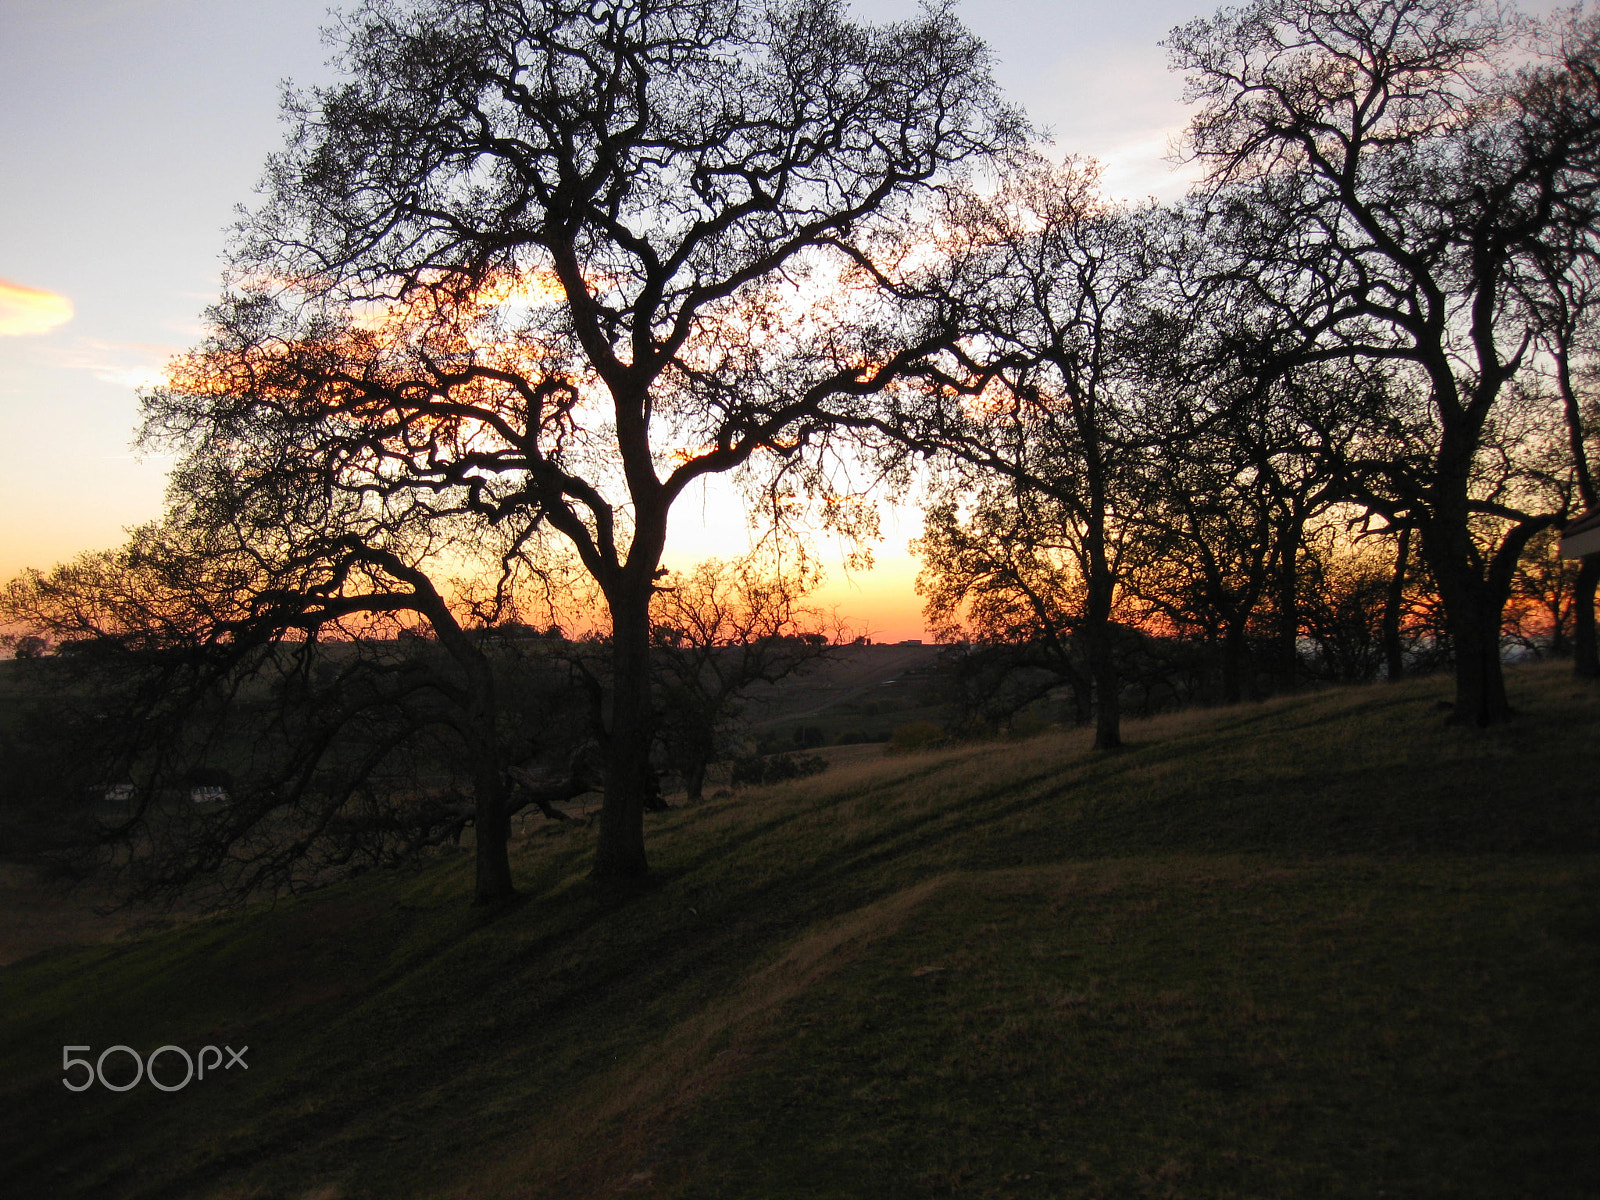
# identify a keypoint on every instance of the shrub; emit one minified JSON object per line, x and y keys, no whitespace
{"x":1027,"y":725}
{"x":754,"y":772}
{"x":916,"y":735}
{"x":856,"y":737}
{"x":31,"y":646}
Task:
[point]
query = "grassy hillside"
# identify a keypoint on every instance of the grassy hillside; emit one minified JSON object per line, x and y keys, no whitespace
{"x":1325,"y":946}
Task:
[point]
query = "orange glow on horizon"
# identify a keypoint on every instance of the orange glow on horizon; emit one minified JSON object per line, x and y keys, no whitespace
{"x":880,"y":603}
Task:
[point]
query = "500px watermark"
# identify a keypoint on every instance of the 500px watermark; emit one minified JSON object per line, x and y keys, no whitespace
{"x":145,"y":1068}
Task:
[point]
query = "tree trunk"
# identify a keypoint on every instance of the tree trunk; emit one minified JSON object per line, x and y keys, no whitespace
{"x":1107,"y":687}
{"x":1472,"y":612}
{"x":1080,"y":687}
{"x":491,"y":818}
{"x":1585,"y":654}
{"x":1233,"y":655}
{"x":1107,"y":690}
{"x":492,"y":826}
{"x":619,"y":852}
{"x":1288,"y":604}
{"x":694,"y":780}
{"x":1480,"y":679}
{"x":1585,"y":658}
{"x":1473,"y":593}
{"x":1082,"y":703}
{"x":1393,"y":650}
{"x":1097,"y":624}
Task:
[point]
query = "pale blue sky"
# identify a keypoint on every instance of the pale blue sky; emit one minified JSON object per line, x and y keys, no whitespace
{"x":133,"y":127}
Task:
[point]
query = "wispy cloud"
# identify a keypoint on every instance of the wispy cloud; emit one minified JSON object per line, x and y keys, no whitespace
{"x":126,"y":364}
{"x":25,"y":311}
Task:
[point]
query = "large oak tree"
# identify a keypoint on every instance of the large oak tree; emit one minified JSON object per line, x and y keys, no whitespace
{"x":1388,"y":174}
{"x":1041,"y":401}
{"x":550,"y":263}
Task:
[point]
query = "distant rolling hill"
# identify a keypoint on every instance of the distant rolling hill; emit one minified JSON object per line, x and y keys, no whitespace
{"x":891,"y":679}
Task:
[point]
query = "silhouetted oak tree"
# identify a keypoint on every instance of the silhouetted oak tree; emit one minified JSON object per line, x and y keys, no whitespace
{"x":552,"y":262}
{"x":1557,"y":106}
{"x":1386,"y":191}
{"x":1044,"y":393}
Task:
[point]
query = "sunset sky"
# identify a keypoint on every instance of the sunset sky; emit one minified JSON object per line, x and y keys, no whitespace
{"x":133,"y":127}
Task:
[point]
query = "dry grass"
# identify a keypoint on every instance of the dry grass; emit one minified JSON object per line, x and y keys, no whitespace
{"x":1234,"y":959}
{"x":44,"y":913}
{"x":638,"y":1099}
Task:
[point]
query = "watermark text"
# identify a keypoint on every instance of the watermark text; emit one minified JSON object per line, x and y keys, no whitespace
{"x":128,"y":1069}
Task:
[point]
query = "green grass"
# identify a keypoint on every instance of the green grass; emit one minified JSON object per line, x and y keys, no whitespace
{"x":1325,"y":946}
